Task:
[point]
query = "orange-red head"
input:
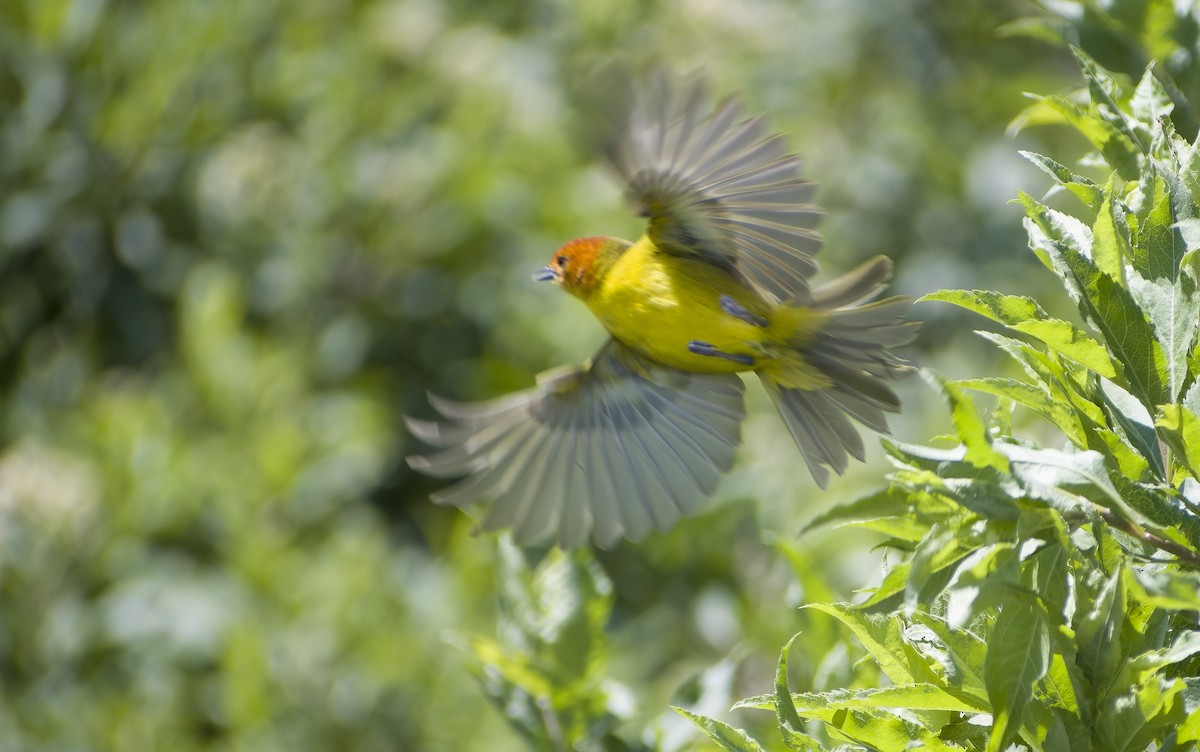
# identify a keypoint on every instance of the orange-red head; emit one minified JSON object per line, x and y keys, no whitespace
{"x":578,"y":266}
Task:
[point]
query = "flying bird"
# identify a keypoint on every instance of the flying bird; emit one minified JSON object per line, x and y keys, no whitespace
{"x":718,"y":285}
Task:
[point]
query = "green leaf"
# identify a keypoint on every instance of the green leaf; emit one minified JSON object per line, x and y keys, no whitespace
{"x":515,"y":668}
{"x":1180,"y":429}
{"x":982,"y":578}
{"x":1132,"y":421}
{"x":790,"y":724}
{"x":1141,"y":667}
{"x":1018,"y":657}
{"x":1118,"y":149}
{"x":1098,"y":633}
{"x":971,"y":429}
{"x":726,"y":736}
{"x":1173,"y":308}
{"x":1085,"y":189}
{"x":1151,"y":101}
{"x":905,"y":696}
{"x":1102,"y":302}
{"x":1052,"y":580}
{"x":1166,"y":587}
{"x":940,"y":548}
{"x":883,"y":730}
{"x":963,"y":652}
{"x":1124,"y":718}
{"x":1111,"y":236}
{"x":885,"y":503}
{"x":1066,"y":481}
{"x":1103,"y":90}
{"x":1159,"y":245}
{"x":882,"y":636}
{"x":1025,"y":315}
{"x":1056,"y":713}
{"x":1034,"y":397}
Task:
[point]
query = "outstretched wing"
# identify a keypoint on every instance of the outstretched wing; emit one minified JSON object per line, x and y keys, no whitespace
{"x":615,"y":447}
{"x":719,"y":187}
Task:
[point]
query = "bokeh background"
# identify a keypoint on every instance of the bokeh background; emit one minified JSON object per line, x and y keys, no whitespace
{"x":239,"y":240}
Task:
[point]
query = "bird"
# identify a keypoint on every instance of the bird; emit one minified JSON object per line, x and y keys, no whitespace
{"x":719,"y":285}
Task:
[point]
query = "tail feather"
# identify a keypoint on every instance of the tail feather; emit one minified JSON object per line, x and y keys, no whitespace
{"x":858,"y":285}
{"x":850,"y":353}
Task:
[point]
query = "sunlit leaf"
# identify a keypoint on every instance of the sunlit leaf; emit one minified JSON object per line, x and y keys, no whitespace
{"x":1179,"y":427}
{"x":1084,"y":188}
{"x":727,"y":737}
{"x":1112,"y":243}
{"x":1102,"y":302}
{"x":1024,"y":315}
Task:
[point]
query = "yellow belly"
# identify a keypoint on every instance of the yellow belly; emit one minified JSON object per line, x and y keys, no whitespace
{"x":656,"y":304}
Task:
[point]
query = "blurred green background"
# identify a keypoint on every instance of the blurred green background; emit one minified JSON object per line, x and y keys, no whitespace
{"x":238,"y":241}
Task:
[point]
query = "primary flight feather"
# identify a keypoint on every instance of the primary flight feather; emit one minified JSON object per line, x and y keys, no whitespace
{"x":719,"y":284}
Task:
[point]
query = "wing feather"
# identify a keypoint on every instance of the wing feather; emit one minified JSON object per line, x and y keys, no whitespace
{"x":719,"y":187}
{"x":616,"y":448}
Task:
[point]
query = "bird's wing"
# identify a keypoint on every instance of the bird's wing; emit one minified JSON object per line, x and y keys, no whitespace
{"x":615,"y":447}
{"x":719,"y":187}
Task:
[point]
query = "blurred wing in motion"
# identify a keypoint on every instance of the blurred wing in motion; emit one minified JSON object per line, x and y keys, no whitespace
{"x":616,"y":447}
{"x":718,"y":187}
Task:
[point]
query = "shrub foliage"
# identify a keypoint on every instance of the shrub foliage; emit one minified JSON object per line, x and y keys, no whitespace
{"x":1048,"y":595}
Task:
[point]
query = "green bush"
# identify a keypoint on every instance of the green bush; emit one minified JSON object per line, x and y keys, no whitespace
{"x":1051,"y":594}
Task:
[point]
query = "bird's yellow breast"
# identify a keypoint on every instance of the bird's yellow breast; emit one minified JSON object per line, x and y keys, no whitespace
{"x":657,"y":303}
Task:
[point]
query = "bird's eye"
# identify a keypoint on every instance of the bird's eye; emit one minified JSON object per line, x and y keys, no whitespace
{"x":561,"y":260}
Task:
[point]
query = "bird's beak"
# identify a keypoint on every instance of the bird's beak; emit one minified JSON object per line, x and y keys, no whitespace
{"x":545,"y":274}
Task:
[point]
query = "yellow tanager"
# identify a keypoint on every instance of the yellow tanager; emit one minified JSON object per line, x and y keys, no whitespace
{"x":640,"y":434}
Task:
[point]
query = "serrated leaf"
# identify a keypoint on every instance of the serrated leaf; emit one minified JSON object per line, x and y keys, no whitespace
{"x":1118,"y":148}
{"x":1102,"y":302}
{"x":1161,"y":505}
{"x":1151,"y":100}
{"x":1174,"y":310}
{"x":1025,"y":315}
{"x":897,"y":528}
{"x":1085,"y":189}
{"x":1018,"y":657}
{"x":1159,"y":245}
{"x":1034,"y":114}
{"x":727,"y":737}
{"x":1103,"y":91}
